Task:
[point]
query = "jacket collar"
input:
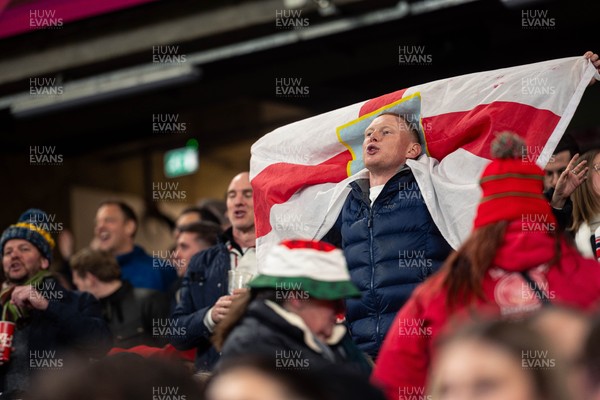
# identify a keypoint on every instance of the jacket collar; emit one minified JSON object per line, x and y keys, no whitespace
{"x":360,"y":187}
{"x":227,"y":240}
{"x":309,"y":339}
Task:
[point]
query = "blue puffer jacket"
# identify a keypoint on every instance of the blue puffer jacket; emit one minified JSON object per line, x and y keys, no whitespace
{"x":204,"y":282}
{"x":390,"y":248}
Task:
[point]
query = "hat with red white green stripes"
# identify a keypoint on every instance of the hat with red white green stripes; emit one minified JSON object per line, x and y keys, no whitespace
{"x":317,"y":268}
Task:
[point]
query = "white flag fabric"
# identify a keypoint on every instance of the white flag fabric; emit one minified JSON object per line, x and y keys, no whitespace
{"x":300,"y":172}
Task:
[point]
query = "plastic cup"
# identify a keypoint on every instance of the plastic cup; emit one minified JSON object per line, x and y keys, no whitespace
{"x":238,"y":280}
{"x":7,"y":331}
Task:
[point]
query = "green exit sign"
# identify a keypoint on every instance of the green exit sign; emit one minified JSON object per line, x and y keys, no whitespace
{"x":182,"y":161}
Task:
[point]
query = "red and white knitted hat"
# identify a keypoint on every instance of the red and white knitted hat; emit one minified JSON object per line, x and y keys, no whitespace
{"x":317,"y":268}
{"x":512,"y":188}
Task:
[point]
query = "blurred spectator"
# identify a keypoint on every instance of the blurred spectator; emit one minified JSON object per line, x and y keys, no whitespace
{"x":116,"y":225}
{"x":586,"y":208}
{"x":129,"y":311}
{"x":564,"y":152}
{"x":565,"y":330}
{"x":384,"y":224}
{"x":122,"y":376}
{"x":590,"y":359}
{"x":291,"y":313}
{"x":203,"y":297}
{"x":258,"y":378}
{"x":219,"y":208}
{"x":49,"y":319}
{"x":495,"y":360}
{"x":195,"y":214}
{"x":193,"y":238}
{"x":514,"y":261}
{"x":563,"y":174}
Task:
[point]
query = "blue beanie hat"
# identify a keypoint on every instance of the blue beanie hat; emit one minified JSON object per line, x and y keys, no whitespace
{"x":31,"y":226}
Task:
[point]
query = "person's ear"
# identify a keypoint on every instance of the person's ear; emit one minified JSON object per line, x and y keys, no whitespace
{"x":413,"y":151}
{"x":129,"y":227}
{"x":45,"y":264}
{"x":92,"y":279}
{"x":294,"y":303}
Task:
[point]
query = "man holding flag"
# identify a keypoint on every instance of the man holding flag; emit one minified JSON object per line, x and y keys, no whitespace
{"x":382,"y":196}
{"x":387,"y":234}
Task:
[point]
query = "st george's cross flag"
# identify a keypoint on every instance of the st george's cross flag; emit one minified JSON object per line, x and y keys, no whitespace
{"x":301,"y":172}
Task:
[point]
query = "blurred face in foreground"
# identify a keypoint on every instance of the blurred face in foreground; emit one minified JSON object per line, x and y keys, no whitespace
{"x":475,"y":370}
{"x":320,"y":316}
{"x":188,"y":244}
{"x":246,"y":384}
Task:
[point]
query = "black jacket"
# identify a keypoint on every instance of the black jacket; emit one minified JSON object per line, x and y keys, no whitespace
{"x":268,"y":330}
{"x":72,"y":323}
{"x":137,"y":316}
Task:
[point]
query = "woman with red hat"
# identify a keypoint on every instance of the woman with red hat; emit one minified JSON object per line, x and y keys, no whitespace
{"x":514,"y":262}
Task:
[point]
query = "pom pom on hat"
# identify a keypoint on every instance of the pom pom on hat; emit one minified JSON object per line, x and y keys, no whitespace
{"x":512,"y":189}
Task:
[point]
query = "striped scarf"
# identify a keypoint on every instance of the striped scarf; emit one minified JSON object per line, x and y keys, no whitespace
{"x":10,"y":311}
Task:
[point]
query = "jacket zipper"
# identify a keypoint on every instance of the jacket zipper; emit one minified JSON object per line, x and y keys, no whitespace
{"x":370,"y":226}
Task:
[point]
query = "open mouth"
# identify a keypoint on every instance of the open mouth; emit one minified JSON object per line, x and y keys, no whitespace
{"x":372,"y":149}
{"x":104,"y":236}
{"x":15,"y":266}
{"x":239,"y":214}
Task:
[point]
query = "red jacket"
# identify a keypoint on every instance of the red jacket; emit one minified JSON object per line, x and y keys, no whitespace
{"x":405,"y":356}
